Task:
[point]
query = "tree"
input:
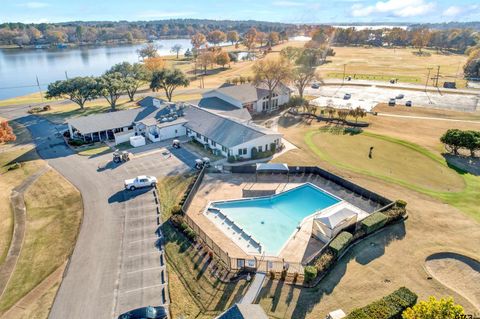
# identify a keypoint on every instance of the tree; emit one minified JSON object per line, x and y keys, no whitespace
{"x":222,"y":58}
{"x":134,"y":76}
{"x":154,"y":64}
{"x":421,"y":38}
{"x":111,"y":86}
{"x":273,"y":38}
{"x":6,"y":133}
{"x":261,"y":38}
{"x":197,"y":40}
{"x":444,"y":308}
{"x":149,"y":50}
{"x":176,"y":49}
{"x":358,"y":112}
{"x":233,"y":37}
{"x":250,"y":38}
{"x":188,"y":54}
{"x":452,"y":140}
{"x":306,"y":61}
{"x":216,"y":37}
{"x":206,"y":58}
{"x":302,"y":76}
{"x":272,"y":72}
{"x":472,"y":66}
{"x":168,"y":80}
{"x":78,"y":90}
{"x":291,"y":53}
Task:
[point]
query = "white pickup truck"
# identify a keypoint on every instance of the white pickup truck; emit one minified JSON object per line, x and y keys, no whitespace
{"x":140,"y":181}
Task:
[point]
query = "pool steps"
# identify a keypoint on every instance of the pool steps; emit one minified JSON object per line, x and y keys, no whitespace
{"x":230,"y":225}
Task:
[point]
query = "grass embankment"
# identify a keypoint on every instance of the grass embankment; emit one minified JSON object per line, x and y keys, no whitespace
{"x":193,"y":292}
{"x":54,"y":210}
{"x":25,"y":99}
{"x":383,"y":64}
{"x":22,"y":151}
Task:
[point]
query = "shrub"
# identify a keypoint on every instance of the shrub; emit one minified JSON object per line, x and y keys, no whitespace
{"x":395,"y":213}
{"x":14,"y":166}
{"x":374,"y":222}
{"x":190,"y":234}
{"x":47,"y":108}
{"x":177,"y":220}
{"x":183,"y":226}
{"x":231,"y":159}
{"x":177,"y":209}
{"x":273,"y":147}
{"x":310,"y":273}
{"x":324,"y":261}
{"x":339,"y":243}
{"x":283,"y":275}
{"x":76,"y":142}
{"x":295,"y":276}
{"x":389,"y":307}
{"x":400,"y":203}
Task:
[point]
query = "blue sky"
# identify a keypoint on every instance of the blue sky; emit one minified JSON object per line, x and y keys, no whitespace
{"x":296,"y":11}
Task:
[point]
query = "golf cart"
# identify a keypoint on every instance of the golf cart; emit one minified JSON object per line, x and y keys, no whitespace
{"x":201,"y":163}
{"x":176,"y":144}
{"x":121,"y":156}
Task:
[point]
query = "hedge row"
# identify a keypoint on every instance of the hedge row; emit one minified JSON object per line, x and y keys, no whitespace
{"x":341,"y":242}
{"x":373,"y":222}
{"x":179,"y":223}
{"x":389,"y":307}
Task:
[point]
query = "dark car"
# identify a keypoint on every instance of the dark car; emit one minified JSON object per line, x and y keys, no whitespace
{"x":391,"y":102}
{"x":347,"y":96}
{"x":408,"y":103}
{"x":400,"y":96}
{"x":315,"y":86}
{"x":149,"y":312}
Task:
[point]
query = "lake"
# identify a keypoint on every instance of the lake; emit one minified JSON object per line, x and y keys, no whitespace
{"x":19,"y":68}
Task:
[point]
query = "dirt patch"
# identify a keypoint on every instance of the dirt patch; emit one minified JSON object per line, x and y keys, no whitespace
{"x":457,"y":272}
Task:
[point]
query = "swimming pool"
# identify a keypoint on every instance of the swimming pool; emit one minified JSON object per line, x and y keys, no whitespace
{"x":272,"y":220}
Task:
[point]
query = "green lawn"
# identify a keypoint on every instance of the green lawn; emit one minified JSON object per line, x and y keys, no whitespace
{"x":96,"y":149}
{"x":399,"y":162}
{"x":54,"y":210}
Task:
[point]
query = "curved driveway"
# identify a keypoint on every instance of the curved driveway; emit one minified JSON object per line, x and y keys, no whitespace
{"x":90,"y":285}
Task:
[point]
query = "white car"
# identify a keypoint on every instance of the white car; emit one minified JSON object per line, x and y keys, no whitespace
{"x":140,"y":181}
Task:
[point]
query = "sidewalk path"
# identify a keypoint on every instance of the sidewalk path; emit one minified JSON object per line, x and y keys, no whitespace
{"x":254,"y":289}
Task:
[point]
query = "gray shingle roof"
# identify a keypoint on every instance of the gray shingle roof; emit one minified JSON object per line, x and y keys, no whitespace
{"x":118,"y":119}
{"x":248,"y":92}
{"x":215,"y":103}
{"x":220,"y":129}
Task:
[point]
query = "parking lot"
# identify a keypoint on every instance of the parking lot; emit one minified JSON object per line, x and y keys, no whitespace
{"x":368,"y":97}
{"x":142,"y":276}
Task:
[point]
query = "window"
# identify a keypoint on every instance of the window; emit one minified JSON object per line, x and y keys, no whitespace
{"x":260,"y":149}
{"x":224,"y":149}
{"x":266,"y":147}
{"x":199,"y":136}
{"x":205,"y":139}
{"x":242,"y":151}
{"x":188,"y":131}
{"x":176,"y":131}
{"x":213,"y":143}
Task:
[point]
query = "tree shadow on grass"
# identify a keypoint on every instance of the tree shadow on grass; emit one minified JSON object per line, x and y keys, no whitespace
{"x":364,"y":252}
{"x":224,"y":303}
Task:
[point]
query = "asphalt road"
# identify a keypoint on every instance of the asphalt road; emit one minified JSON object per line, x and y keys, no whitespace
{"x":114,"y":263}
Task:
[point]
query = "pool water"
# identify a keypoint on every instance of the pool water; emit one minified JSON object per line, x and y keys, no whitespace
{"x":272,"y":220}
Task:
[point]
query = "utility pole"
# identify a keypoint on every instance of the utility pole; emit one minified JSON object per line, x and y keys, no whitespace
{"x":39,"y":88}
{"x":438,"y":75}
{"x":428,"y":76}
{"x":343,"y":78}
{"x":66,"y":75}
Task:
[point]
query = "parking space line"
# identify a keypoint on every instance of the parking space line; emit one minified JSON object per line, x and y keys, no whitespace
{"x":144,"y":239}
{"x":144,"y":254}
{"x":143,"y":288}
{"x":142,"y":217}
{"x":144,"y":269}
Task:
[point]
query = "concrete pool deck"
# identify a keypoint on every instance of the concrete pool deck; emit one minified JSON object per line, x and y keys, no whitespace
{"x":226,"y":186}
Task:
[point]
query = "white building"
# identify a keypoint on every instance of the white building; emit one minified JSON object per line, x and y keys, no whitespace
{"x":248,"y":96}
{"x":228,"y":133}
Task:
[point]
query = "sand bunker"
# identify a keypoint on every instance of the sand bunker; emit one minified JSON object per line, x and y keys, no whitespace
{"x":458,"y":272}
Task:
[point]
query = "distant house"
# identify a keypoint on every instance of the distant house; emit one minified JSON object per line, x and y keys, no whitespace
{"x":245,"y":96}
{"x":226,"y":133}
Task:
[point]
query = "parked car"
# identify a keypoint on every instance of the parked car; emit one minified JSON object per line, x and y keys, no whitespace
{"x":149,"y":312}
{"x":347,"y":96}
{"x":139,"y":182}
{"x":176,"y":144}
{"x":315,"y":86}
{"x":408,"y":103}
{"x":392,"y":102}
{"x":400,"y":96}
